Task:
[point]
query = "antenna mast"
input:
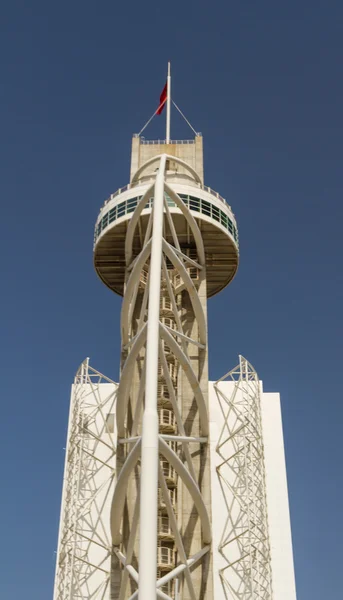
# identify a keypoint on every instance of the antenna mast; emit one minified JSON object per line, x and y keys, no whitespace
{"x":168,"y":106}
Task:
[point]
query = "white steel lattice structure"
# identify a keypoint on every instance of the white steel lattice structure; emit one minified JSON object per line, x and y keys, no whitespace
{"x":245,"y":539}
{"x":166,"y":483}
{"x":84,"y":548}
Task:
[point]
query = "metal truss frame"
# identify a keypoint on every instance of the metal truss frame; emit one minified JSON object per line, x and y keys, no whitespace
{"x":148,"y":444}
{"x":244,"y":543}
{"x":84,"y":546}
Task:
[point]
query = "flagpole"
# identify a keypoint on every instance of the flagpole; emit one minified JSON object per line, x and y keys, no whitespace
{"x":168,"y":106}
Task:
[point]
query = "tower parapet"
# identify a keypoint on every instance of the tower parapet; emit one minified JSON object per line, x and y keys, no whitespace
{"x":190,"y":151}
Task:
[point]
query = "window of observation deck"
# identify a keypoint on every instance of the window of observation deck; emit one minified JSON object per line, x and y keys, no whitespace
{"x":194,"y":204}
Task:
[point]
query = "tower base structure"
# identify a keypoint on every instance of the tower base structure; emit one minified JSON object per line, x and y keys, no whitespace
{"x":245,"y":557}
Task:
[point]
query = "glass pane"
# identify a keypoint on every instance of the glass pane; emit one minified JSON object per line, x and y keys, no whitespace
{"x":121,"y":209}
{"x":170,"y":202}
{"x":131,"y":205}
{"x":223,"y":218}
{"x":194,"y":205}
{"x":215,"y":213}
{"x":206,"y":207}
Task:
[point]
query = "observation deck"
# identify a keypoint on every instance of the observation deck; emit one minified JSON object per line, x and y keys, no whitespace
{"x":212,"y":213}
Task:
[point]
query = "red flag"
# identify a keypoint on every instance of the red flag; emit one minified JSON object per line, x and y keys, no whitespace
{"x":163,"y":98}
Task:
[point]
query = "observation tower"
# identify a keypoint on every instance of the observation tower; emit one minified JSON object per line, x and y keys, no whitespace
{"x":174,"y":486}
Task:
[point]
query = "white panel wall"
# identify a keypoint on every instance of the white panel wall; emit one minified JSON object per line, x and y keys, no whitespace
{"x":277,"y":495}
{"x":218,"y":504}
{"x":277,"y":498}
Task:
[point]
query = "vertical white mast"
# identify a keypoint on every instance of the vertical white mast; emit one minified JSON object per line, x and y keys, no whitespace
{"x":150,"y":437}
{"x":168,"y":105}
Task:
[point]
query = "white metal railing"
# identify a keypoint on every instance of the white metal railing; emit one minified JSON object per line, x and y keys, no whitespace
{"x":168,"y":471}
{"x":144,"y":276}
{"x":166,"y":348}
{"x":213,"y":193}
{"x":173,"y":370}
{"x":162,"y":391}
{"x":130,"y":186}
{"x":163,"y":526}
{"x":165,"y":556}
{"x":168,"y":322}
{"x":165,"y":304}
{"x":172,"y":496}
{"x":157,"y":142}
{"x":166,"y":419}
{"x":172,"y":446}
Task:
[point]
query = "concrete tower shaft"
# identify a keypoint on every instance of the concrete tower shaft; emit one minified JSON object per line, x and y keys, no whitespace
{"x":166,"y":242}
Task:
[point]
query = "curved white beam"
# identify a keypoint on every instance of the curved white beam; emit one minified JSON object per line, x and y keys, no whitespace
{"x":191,"y":486}
{"x":180,"y":568}
{"x":133,"y":223}
{"x":119,"y":495}
{"x":133,"y":279}
{"x":168,"y":157}
{"x":129,"y":551}
{"x":126,"y":380}
{"x":195,"y":300}
{"x":178,"y":539}
{"x":191,"y":222}
{"x":179,"y":422}
{"x":187,"y":368}
{"x":150,"y":459}
{"x":171,"y":226}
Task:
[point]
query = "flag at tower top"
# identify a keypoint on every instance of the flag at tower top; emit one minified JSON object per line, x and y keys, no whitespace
{"x":163,"y":98}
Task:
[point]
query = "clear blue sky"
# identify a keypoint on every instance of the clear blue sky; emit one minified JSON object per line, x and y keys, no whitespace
{"x":263,"y":82}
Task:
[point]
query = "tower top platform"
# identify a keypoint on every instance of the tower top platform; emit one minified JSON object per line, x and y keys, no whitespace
{"x":184,"y":176}
{"x":190,"y":151}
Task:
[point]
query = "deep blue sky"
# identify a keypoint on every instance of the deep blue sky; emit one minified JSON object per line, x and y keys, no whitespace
{"x":263,"y":82}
